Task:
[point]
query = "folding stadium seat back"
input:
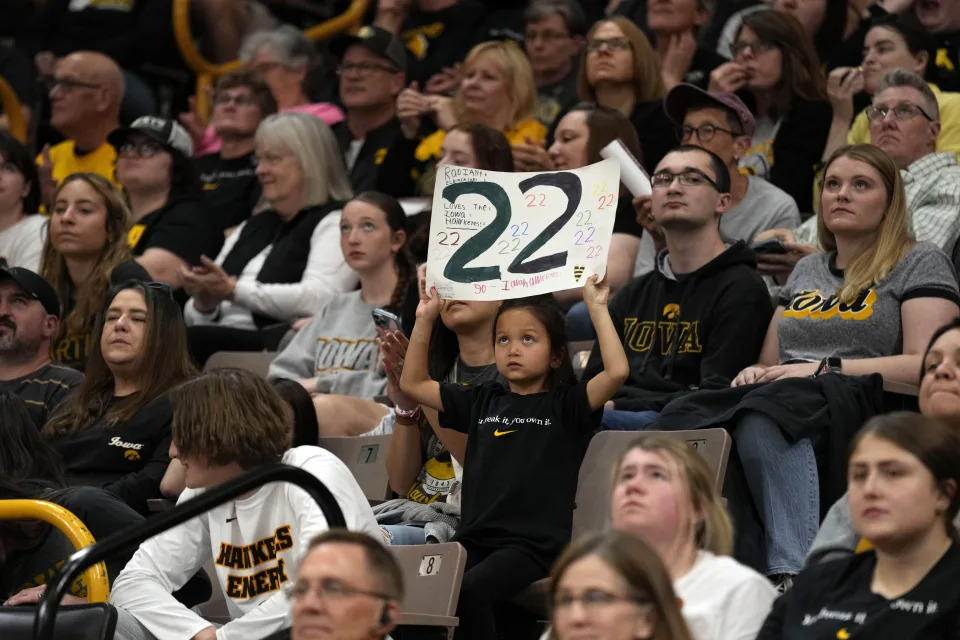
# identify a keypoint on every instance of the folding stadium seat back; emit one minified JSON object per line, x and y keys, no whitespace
{"x":366,"y":456}
{"x":432,"y":575}
{"x":579,"y":354}
{"x":257,"y":362}
{"x":76,"y":622}
{"x":596,"y":471}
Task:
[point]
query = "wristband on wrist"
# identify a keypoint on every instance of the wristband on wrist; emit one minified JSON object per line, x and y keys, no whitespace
{"x":411,"y":415}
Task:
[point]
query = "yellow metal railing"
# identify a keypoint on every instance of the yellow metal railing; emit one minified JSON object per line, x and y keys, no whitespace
{"x":206,"y":71}
{"x":11,"y":108}
{"x":98,"y":586}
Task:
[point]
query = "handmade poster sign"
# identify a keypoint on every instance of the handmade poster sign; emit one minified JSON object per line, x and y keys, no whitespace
{"x":496,"y":235}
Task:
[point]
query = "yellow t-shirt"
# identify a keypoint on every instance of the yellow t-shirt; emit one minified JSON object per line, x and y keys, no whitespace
{"x":101,"y":160}
{"x":949,"y":139}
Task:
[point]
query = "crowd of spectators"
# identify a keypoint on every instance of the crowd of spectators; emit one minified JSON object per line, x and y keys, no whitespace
{"x":791,"y":278}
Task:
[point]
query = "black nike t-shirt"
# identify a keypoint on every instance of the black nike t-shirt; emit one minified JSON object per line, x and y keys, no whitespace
{"x":181,"y":227}
{"x":230,"y":188}
{"x":522,"y":461}
{"x":834,"y":600}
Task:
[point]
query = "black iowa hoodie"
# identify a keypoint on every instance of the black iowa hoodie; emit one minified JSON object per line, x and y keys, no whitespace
{"x":680,"y":330}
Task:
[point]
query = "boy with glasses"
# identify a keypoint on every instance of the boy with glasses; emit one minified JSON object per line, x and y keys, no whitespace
{"x":554,"y":32}
{"x":721,"y":123}
{"x":700,"y":316}
{"x":241,"y":100}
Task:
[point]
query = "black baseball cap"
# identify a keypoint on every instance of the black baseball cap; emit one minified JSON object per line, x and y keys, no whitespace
{"x":35,"y":287}
{"x":380,"y":41}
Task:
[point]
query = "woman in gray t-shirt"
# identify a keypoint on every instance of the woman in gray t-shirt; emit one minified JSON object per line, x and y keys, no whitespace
{"x":868,"y":305}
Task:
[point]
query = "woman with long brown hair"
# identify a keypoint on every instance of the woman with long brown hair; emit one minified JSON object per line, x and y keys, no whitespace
{"x":613,"y":586}
{"x":621,"y":70}
{"x":776,"y":70}
{"x":86,"y":248}
{"x":115,"y":432}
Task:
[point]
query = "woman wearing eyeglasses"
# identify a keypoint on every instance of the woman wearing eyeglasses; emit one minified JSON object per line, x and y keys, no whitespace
{"x":894,"y":41}
{"x":86,"y":250}
{"x":620,"y":70}
{"x":776,"y":70}
{"x":286,"y":60}
{"x":114,"y":433}
{"x":613,"y":586}
{"x":171,"y":227}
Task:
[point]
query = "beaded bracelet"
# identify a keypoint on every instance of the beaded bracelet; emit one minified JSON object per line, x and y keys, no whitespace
{"x":407,"y":414}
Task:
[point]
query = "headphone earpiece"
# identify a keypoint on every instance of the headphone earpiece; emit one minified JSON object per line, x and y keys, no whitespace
{"x":385,"y":618}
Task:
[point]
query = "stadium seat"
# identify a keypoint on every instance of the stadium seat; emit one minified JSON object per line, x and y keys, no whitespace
{"x":432,"y":574}
{"x":77,"y":622}
{"x":595,"y":480}
{"x":257,"y":362}
{"x":579,"y":354}
{"x":366,"y":456}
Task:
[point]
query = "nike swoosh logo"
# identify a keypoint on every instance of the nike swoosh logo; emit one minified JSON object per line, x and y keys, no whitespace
{"x":497,"y":432}
{"x":231,"y":519}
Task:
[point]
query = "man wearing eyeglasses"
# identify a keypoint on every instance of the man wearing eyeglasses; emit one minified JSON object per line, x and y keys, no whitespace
{"x":720,"y":122}
{"x":85,"y":93}
{"x":349,"y":587}
{"x":372,"y":72}
{"x":554,"y":33}
{"x":241,"y":100}
{"x":702,"y":312}
{"x":905,"y":123}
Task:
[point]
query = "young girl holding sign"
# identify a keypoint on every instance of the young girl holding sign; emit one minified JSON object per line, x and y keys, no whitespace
{"x":525,"y":443}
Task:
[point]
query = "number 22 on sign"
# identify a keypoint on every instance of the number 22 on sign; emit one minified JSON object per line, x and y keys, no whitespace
{"x":503,"y":235}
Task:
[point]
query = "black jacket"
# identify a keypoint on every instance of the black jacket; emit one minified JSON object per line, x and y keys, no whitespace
{"x":832,"y":407}
{"x":721,"y":313}
{"x":363,"y":175}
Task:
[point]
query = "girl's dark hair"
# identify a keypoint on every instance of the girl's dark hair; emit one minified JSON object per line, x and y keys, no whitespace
{"x":27,"y":533}
{"x":545,"y":309}
{"x":914,"y":35}
{"x":163,"y":364}
{"x":444,"y":351}
{"x":605,"y":125}
{"x":490,"y":146}
{"x":24,"y":453}
{"x":184,"y":182}
{"x":306,"y":430}
{"x":397,"y":221}
{"x":800,"y":74}
{"x":950,"y":326}
{"x":936,"y":445}
{"x":13,"y":152}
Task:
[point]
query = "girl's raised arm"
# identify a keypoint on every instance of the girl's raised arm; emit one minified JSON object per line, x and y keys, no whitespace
{"x":615,"y":366}
{"x":415,"y":380}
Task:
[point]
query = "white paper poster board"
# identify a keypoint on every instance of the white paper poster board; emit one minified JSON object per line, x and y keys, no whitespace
{"x":496,"y":235}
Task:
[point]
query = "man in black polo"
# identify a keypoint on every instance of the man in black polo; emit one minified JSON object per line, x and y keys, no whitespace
{"x":29,"y":318}
{"x":372,"y":72}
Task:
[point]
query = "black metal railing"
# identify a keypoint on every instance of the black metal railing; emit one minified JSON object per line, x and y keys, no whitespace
{"x":116,"y":543}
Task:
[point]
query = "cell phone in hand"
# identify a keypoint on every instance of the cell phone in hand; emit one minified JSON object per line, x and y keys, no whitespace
{"x":773,"y":245}
{"x":386,"y":320}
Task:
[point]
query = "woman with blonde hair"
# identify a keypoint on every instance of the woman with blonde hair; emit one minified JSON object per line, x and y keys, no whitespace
{"x":497,"y":91}
{"x":283,"y":263}
{"x":85,"y":251}
{"x":613,"y":586}
{"x":873,"y":282}
{"x":663,"y":495}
